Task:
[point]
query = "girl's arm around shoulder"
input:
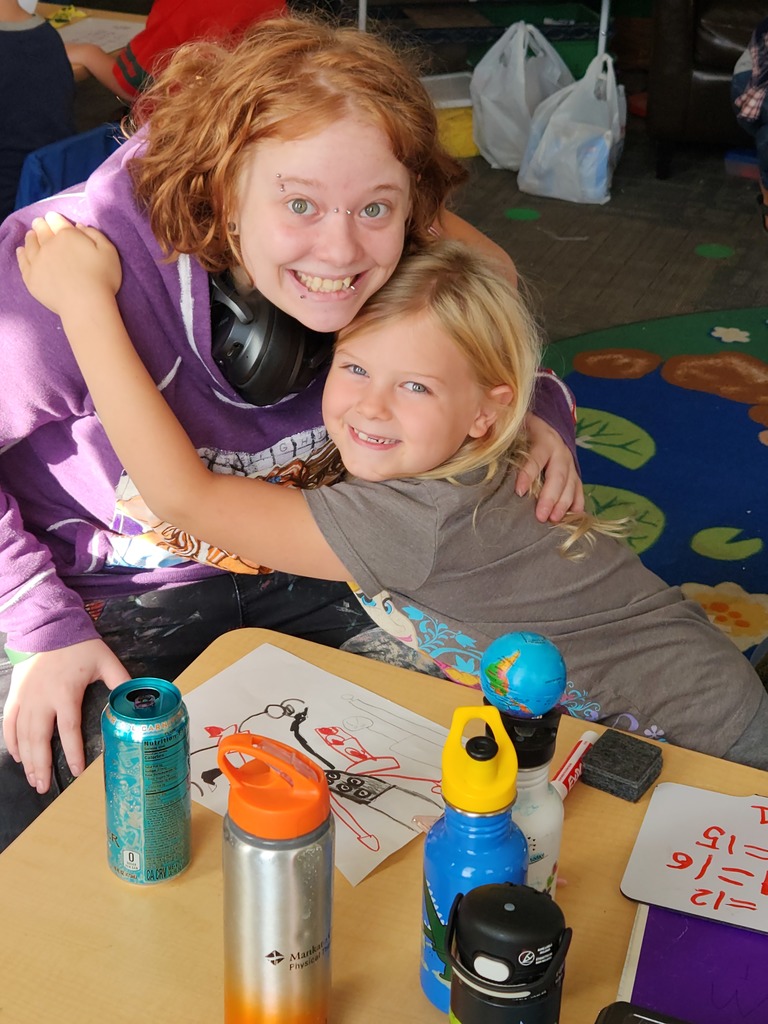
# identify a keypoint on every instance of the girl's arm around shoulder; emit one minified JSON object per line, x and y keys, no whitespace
{"x":76,"y":273}
{"x":265,"y":523}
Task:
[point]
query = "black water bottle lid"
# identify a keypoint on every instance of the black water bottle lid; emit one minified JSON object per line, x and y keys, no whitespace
{"x":534,"y":739}
{"x":482,"y":748}
{"x":507,"y":934}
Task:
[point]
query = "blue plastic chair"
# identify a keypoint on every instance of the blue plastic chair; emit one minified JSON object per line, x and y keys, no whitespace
{"x":62,"y":164}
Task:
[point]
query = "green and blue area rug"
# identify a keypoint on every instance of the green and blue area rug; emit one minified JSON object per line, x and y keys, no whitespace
{"x":673,"y":430}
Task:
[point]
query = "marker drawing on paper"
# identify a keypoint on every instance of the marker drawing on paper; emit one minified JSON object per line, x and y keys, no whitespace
{"x":381,"y":761}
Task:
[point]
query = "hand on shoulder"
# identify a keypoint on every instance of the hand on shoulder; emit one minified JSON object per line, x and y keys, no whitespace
{"x":62,"y":264}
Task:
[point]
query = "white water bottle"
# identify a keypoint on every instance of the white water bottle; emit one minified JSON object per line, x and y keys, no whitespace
{"x":538,"y":813}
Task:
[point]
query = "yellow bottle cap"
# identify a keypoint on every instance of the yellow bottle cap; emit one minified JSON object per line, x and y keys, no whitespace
{"x":479,"y":786}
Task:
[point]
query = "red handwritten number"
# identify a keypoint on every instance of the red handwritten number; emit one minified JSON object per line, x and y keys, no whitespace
{"x":699,"y":898}
{"x":717,"y":839}
{"x":713,"y":835}
{"x":684,"y":860}
{"x":704,"y":867}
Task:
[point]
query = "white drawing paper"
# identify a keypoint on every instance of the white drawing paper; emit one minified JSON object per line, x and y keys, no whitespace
{"x":109,"y":33}
{"x":382,"y":761}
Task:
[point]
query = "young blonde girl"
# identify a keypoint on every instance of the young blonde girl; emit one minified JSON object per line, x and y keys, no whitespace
{"x":425,"y":402}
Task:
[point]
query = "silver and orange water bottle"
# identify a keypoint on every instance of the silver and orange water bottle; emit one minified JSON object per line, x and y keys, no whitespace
{"x":278,"y":884}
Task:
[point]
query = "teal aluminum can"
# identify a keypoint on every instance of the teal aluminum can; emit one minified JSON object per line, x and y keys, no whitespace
{"x":145,"y":728}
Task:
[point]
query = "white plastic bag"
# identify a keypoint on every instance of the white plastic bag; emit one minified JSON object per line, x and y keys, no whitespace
{"x":576,"y":139}
{"x":508,"y":83}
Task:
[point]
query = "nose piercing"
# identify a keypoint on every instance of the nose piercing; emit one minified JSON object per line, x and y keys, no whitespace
{"x":337,"y":210}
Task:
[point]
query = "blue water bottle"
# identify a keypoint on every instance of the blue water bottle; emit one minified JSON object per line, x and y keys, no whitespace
{"x":475,"y":842}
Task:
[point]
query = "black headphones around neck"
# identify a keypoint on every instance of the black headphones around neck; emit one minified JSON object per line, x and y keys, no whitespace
{"x":261,"y":351}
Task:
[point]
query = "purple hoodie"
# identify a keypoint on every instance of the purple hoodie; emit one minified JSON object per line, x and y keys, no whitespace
{"x":72,"y":527}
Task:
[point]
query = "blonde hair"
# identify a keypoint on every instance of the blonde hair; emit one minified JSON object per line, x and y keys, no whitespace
{"x":491,"y":324}
{"x":285,"y":78}
{"x":483,"y":313}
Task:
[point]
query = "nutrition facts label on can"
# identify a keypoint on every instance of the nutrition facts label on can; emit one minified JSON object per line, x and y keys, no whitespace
{"x":146,"y":771}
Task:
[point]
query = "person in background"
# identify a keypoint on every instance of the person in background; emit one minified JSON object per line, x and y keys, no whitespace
{"x":170,"y":23}
{"x":294,"y":164}
{"x":38,"y":92}
{"x":749,"y":93}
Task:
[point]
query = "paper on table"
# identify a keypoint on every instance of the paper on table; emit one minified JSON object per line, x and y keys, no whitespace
{"x":382,"y":761}
{"x":703,"y":853}
{"x":109,"y":33}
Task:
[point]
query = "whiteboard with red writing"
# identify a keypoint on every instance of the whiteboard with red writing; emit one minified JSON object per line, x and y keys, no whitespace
{"x":703,"y":853}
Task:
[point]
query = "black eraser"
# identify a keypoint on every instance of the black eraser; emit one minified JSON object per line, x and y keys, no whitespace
{"x":621,"y":765}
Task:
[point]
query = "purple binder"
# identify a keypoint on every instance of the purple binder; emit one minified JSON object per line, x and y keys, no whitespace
{"x":700,"y":970}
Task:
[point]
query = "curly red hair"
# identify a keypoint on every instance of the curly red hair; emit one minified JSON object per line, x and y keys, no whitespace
{"x":285,"y":78}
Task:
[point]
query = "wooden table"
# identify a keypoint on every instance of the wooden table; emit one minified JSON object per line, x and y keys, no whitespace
{"x":80,"y":946}
{"x":45,"y":10}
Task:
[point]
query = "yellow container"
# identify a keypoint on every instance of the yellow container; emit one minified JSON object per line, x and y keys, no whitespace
{"x":450,"y":94}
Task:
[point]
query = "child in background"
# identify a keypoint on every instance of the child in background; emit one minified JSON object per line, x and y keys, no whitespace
{"x":38,"y":93}
{"x":425,"y":401}
{"x":170,"y":23}
{"x":749,"y":93}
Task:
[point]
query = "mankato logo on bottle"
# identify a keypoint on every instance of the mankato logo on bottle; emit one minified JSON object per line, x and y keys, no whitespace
{"x":304,"y":958}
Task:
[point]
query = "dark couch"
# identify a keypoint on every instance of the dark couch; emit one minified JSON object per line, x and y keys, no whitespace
{"x":695,"y":46}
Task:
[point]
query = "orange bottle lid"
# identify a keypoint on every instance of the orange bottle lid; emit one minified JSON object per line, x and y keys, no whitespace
{"x":275,"y":792}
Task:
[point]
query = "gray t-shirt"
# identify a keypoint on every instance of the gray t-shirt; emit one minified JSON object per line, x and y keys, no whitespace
{"x":451,"y":567}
